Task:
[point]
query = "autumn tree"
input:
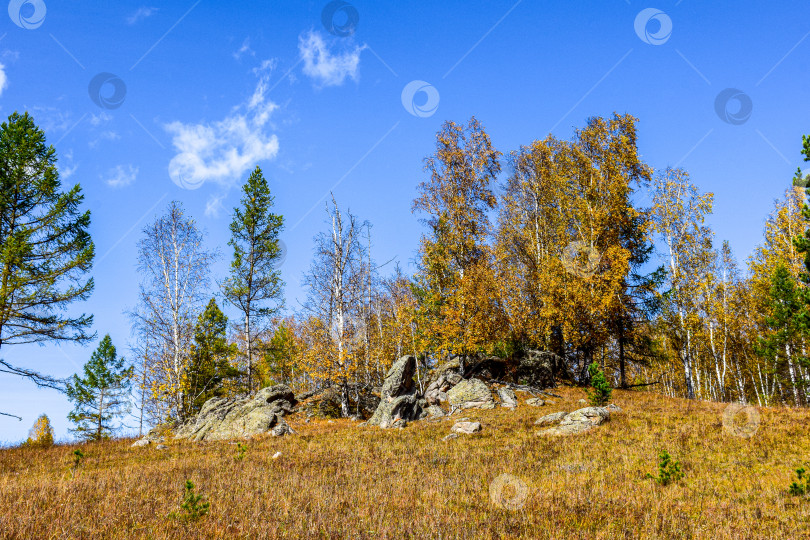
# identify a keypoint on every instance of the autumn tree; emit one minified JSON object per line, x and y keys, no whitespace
{"x":254,"y":286}
{"x":279,"y":354}
{"x":679,"y":211}
{"x":45,"y":247}
{"x":175,"y":266}
{"x":455,"y":285}
{"x":101,"y":396}
{"x":335,"y":283}
{"x":41,"y":434}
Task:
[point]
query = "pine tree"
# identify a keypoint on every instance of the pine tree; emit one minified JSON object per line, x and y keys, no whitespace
{"x":45,"y":247}
{"x":101,"y":397}
{"x":41,"y":434}
{"x":210,"y":360}
{"x":601,"y":388}
{"x":255,"y":279}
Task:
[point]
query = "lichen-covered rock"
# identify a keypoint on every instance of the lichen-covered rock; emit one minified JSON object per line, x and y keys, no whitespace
{"x":399,"y":408}
{"x":550,"y":419}
{"x":614,"y":408}
{"x":579,"y":421}
{"x":535,"y":402}
{"x":221,"y":419}
{"x":434,"y":411}
{"x":507,"y":397}
{"x":399,"y":379}
{"x":471,"y":394}
{"x":466,"y":428}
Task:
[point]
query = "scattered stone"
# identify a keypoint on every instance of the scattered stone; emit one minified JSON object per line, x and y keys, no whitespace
{"x":281,"y":429}
{"x":467,"y":428}
{"x":221,"y":418}
{"x":535,"y":402}
{"x":161,"y":447}
{"x":582,"y":401}
{"x":550,"y":402}
{"x":277,"y":455}
{"x":471,"y":394}
{"x":550,"y":419}
{"x":450,"y":437}
{"x":614,"y":408}
{"x":579,"y":421}
{"x":507,"y":397}
{"x":141,"y":442}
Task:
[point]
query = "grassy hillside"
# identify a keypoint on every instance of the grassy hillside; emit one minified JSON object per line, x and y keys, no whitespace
{"x":338,"y":480}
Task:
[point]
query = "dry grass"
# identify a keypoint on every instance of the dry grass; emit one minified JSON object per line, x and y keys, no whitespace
{"x":338,"y":480}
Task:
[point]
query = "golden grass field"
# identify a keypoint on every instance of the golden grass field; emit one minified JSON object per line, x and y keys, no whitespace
{"x":338,"y":480}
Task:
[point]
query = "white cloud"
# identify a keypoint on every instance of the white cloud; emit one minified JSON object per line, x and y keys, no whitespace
{"x":67,"y":168}
{"x":121,"y":176}
{"x":222,"y":151}
{"x":141,"y":14}
{"x":214,"y":205}
{"x":3,"y":79}
{"x":321,"y":64}
{"x":97,"y":120}
{"x":244,"y":49}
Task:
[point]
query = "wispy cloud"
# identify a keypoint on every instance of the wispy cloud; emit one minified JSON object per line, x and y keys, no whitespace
{"x":66,"y":166}
{"x":244,"y":49}
{"x":141,"y":14}
{"x":121,"y":176}
{"x":222,"y":151}
{"x":324,"y":66}
{"x":3,"y":79}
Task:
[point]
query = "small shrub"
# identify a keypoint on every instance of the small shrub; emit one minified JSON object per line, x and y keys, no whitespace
{"x":802,"y":487}
{"x":601,"y":388}
{"x":41,"y":434}
{"x":78,"y":456}
{"x":241,"y":450}
{"x":668,"y":470}
{"x":192,"y":507}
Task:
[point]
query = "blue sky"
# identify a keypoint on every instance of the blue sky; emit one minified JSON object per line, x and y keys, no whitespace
{"x":148,"y":102}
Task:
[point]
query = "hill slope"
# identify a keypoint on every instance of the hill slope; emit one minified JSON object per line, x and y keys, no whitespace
{"x":339,"y":480}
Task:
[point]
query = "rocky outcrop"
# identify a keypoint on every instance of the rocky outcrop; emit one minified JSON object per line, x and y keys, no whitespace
{"x":221,"y":418}
{"x":551,"y":419}
{"x":399,"y":403}
{"x":535,"y":402}
{"x":444,"y":378}
{"x":470,"y":394}
{"x":578,"y":421}
{"x":537,"y":368}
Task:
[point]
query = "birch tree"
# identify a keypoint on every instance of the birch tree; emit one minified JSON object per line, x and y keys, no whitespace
{"x":175,"y":269}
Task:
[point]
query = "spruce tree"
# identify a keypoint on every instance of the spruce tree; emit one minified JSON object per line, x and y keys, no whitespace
{"x":255,"y":279}
{"x":209,"y":361}
{"x":601,"y":388}
{"x":45,"y":247}
{"x":102,"y":395}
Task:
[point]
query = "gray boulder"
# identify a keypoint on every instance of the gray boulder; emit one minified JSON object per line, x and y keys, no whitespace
{"x":550,"y":419}
{"x":535,"y":402}
{"x":614,"y":408}
{"x":507,"y":397}
{"x":443,"y":379}
{"x":222,"y":419}
{"x":466,"y":428}
{"x":579,"y":421}
{"x":398,"y":399}
{"x":471,"y":394}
